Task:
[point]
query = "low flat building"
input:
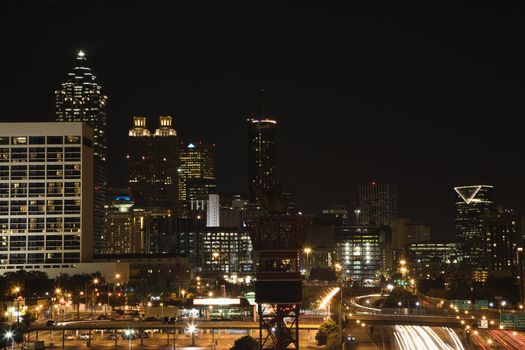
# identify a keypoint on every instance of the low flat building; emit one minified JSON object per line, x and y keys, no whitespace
{"x":142,"y":266}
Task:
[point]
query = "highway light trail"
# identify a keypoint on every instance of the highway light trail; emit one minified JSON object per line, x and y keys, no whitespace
{"x":425,"y":338}
{"x":509,"y":340}
{"x":328,"y":297}
{"x":356,"y":302}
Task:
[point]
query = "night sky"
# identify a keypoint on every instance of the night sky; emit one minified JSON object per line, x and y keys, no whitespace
{"x":424,"y":98}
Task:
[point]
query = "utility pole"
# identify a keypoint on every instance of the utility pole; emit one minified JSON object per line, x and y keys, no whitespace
{"x":340,"y":312}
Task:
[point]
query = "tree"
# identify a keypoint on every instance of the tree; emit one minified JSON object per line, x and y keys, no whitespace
{"x":245,"y":343}
{"x":325,"y":329}
{"x":332,"y":343}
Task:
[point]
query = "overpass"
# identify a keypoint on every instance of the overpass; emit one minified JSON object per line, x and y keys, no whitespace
{"x":142,"y":325}
{"x":416,"y":320}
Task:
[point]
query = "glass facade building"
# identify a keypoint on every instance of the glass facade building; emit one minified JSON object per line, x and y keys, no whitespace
{"x":473,"y":207}
{"x":46,"y":195}
{"x":361,"y":251}
{"x":196,"y":171}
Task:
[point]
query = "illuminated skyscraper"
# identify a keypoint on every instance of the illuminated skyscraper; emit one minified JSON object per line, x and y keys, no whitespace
{"x":196,"y":171}
{"x":153,"y":161}
{"x":261,"y":155}
{"x":80,"y":99}
{"x":124,"y":227}
{"x":377,"y":204}
{"x":473,"y":207}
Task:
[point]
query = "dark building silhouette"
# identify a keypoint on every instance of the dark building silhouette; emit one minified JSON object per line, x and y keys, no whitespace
{"x":80,"y":99}
{"x":153,"y":160}
{"x":261,"y":155}
{"x":501,"y":238}
{"x":377,"y":204}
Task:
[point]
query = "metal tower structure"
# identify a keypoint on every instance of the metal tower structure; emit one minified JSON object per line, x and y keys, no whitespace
{"x":277,"y":240}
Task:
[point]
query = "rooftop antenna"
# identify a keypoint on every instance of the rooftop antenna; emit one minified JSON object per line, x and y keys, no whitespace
{"x":262,"y":103}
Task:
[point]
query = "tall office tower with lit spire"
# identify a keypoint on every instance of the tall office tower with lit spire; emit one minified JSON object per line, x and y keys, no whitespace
{"x":377,"y":204}
{"x":261,"y":155}
{"x":196,"y":171}
{"x":474,"y":205}
{"x":80,"y":99}
{"x":153,"y":160}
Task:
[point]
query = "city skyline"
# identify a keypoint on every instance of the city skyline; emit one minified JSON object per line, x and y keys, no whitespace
{"x":378,"y":105}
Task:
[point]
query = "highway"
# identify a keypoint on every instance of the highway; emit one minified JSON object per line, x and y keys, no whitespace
{"x":498,"y":339}
{"x":376,"y":330}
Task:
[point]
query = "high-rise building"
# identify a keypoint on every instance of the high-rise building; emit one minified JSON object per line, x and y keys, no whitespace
{"x":80,"y":99}
{"x":46,"y":195}
{"x":501,"y":241}
{"x":377,"y":204}
{"x":196,"y":171}
{"x":261,"y":155}
{"x":153,"y":161}
{"x":159,"y":231}
{"x":361,"y":251}
{"x":224,"y":250}
{"x":213,"y":211}
{"x":124,"y":227}
{"x":404,"y":232}
{"x":428,"y":260}
{"x":473,"y":207}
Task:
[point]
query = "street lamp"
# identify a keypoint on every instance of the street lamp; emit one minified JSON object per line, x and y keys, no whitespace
{"x":95,"y":282}
{"x":183,"y":292}
{"x":58,"y":291}
{"x":307,"y":265}
{"x":192,"y":330}
{"x":10,"y":335}
{"x":16,"y":291}
{"x":128,"y":333}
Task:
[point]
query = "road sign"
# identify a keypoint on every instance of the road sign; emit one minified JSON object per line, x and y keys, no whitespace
{"x":514,"y":321}
{"x":481,"y":304}
{"x":507,"y":320}
{"x":462,"y":304}
{"x":483,"y":323}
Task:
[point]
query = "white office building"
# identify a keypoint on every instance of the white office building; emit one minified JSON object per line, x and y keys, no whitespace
{"x":46,"y":196}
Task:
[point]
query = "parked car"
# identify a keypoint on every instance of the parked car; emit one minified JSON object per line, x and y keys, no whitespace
{"x":70,"y":337}
{"x":50,"y":323}
{"x":112,"y":336}
{"x":151,"y":318}
{"x":84,"y":336}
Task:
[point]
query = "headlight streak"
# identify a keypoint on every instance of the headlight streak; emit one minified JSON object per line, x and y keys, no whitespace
{"x":425,"y":338}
